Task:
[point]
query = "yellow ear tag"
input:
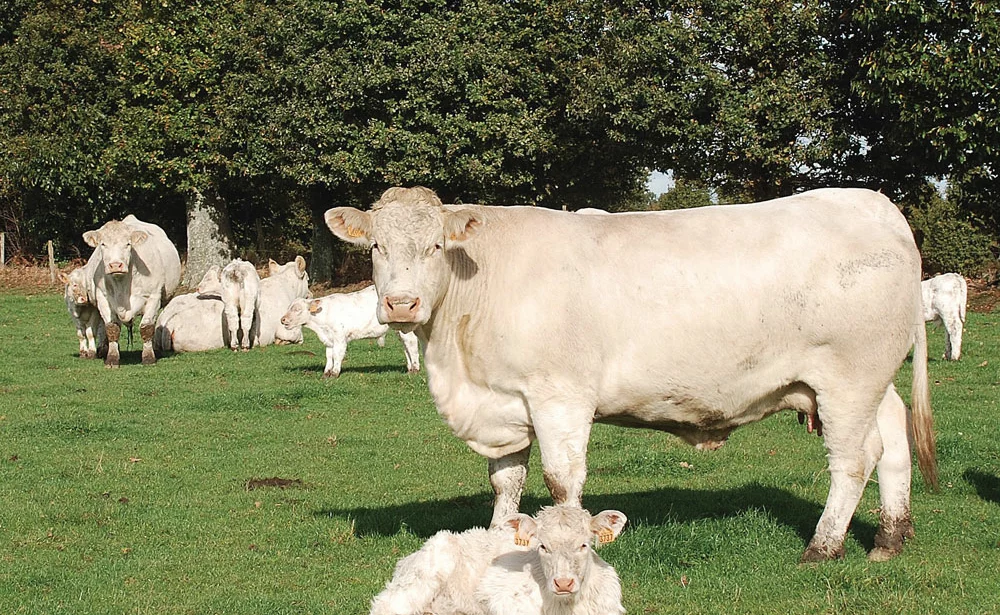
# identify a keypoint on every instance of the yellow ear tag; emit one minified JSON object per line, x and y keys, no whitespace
{"x":605,"y":536}
{"x":354,"y":232}
{"x":315,"y":308}
{"x":520,"y":540}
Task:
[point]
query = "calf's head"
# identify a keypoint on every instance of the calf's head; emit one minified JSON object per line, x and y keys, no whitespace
{"x":210,"y":283}
{"x":408,"y":231}
{"x":115,"y":240}
{"x":297,"y":313}
{"x":76,"y":286}
{"x":564,"y":537}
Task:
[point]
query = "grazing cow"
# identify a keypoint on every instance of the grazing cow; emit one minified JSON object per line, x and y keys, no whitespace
{"x":535,"y":323}
{"x":944,"y":299}
{"x":344,"y":317}
{"x":81,"y":302}
{"x":137,"y":269}
{"x":193,"y":322}
{"x":526,"y":566}
{"x":238,"y":284}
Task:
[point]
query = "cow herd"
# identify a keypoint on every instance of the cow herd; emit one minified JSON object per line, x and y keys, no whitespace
{"x":536,"y":323}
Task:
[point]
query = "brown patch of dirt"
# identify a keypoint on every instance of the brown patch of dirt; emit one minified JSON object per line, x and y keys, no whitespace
{"x":274,"y":481}
{"x":32,"y":279}
{"x":983,"y":297}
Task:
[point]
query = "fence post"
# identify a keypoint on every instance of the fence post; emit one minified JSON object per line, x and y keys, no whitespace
{"x":52,"y":264}
{"x":3,"y":250}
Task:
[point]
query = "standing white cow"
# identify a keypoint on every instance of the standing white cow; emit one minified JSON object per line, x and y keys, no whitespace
{"x":535,"y":323}
{"x":193,"y":322}
{"x":137,"y":268}
{"x":944,"y":299}
{"x":344,"y":317}
{"x":238,"y":284}
{"x":81,"y":303}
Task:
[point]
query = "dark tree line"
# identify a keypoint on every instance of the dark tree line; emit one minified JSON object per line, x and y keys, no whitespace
{"x":236,"y":124}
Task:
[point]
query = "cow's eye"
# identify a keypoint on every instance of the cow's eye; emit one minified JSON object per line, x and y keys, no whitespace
{"x":377,"y":248}
{"x":583,"y":547}
{"x":543,"y":548}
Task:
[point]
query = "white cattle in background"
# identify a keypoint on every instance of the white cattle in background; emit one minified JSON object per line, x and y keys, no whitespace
{"x":344,"y":317}
{"x":526,"y":566}
{"x":238,"y":284}
{"x":80,"y":294}
{"x":136,"y":269}
{"x":193,"y":322}
{"x":944,"y":299}
{"x":535,"y":323}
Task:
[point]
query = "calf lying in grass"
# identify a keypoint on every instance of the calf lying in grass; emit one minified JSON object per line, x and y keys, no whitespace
{"x":344,"y":317}
{"x":527,"y":566}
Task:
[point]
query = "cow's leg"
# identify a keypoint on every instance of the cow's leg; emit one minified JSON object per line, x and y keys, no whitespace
{"x":563,"y":434}
{"x":113,"y":331}
{"x":507,"y":476}
{"x":246,"y":325}
{"x":894,"y":473}
{"x":82,"y":338}
{"x":233,"y":322}
{"x":848,"y":424}
{"x":411,"y":347}
{"x":147,"y":327}
{"x":953,"y":338}
{"x":381,"y":341}
{"x":334,"y":358}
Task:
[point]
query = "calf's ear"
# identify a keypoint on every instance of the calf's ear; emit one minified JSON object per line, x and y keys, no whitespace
{"x":461,"y":224}
{"x":93,"y":238}
{"x":524,"y":528}
{"x":63,"y":278}
{"x":350,"y":224}
{"x":300,"y":263}
{"x":272,"y":266}
{"x":607,"y":525}
{"x":315,"y":307}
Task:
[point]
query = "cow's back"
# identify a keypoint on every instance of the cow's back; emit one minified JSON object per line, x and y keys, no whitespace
{"x":161,"y":261}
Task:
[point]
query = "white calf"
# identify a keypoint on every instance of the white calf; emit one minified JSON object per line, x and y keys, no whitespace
{"x":341,"y":318}
{"x":944,"y":299}
{"x":81,"y":303}
{"x":238,"y":284}
{"x":526,"y":566}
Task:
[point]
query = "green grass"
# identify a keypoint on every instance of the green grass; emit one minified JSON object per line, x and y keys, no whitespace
{"x":125,"y":491}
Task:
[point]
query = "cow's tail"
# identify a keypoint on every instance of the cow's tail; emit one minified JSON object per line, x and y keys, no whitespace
{"x":922,"y":419}
{"x":962,"y":300}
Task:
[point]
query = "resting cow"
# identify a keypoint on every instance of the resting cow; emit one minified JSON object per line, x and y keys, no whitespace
{"x":535,"y":323}
{"x":944,"y":299}
{"x":137,"y":268}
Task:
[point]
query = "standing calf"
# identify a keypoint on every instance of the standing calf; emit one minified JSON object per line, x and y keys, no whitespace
{"x":239,"y":286}
{"x":944,"y":299}
{"x":81,"y":302}
{"x":341,"y":318}
{"x":545,"y":566}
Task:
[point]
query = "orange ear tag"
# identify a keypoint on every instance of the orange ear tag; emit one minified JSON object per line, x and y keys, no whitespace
{"x":520,"y":540}
{"x":354,"y":232}
{"x":605,"y":536}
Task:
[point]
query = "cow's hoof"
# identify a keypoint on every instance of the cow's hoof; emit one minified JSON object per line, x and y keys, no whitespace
{"x":149,"y":360}
{"x":413,"y":370}
{"x":815,"y":555}
{"x":331,"y":374}
{"x":882,"y":554}
{"x":110,"y":365}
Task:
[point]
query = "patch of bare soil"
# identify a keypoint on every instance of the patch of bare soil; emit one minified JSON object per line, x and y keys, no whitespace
{"x":274,"y":482}
{"x":983,"y":297}
{"x":32,"y":279}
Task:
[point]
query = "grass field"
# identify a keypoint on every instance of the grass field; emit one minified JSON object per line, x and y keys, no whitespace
{"x":142,"y":490}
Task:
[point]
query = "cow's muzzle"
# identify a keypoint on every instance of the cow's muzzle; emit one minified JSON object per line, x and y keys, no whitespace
{"x":400,"y":308}
{"x":115,"y":267}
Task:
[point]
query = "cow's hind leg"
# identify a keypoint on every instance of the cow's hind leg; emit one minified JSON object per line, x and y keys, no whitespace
{"x":848,"y":430}
{"x":953,"y":338}
{"x":507,"y":476}
{"x":233,"y":322}
{"x":894,"y":474}
{"x":146,"y":331}
{"x":563,"y":432}
{"x":113,"y":331}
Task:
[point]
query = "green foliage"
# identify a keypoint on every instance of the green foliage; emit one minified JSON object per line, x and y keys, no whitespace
{"x":127,"y":490}
{"x":951,"y":242}
{"x":685,"y":194}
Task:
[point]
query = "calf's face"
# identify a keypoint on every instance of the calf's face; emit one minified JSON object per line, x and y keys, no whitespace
{"x":297,"y":314}
{"x":408,"y":231}
{"x":115,"y":240}
{"x":76,"y":286}
{"x":564,"y":537}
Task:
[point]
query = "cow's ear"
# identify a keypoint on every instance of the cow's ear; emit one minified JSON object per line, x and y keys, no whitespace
{"x":63,"y":278}
{"x":461,"y":224}
{"x":93,"y":238}
{"x":138,"y":237}
{"x":315,"y":307}
{"x":350,"y":224}
{"x":524,"y":528}
{"x":301,"y":263}
{"x":607,"y":525}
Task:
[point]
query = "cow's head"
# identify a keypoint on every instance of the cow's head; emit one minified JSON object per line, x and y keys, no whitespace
{"x":293,"y":273}
{"x":564,"y":537}
{"x":297,"y":314}
{"x":115,"y":240}
{"x":76,"y":286}
{"x":211,"y":282}
{"x":408,"y":231}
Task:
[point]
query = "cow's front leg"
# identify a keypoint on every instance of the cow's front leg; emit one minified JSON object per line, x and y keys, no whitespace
{"x":562,"y":441}
{"x":147,"y":326}
{"x":113,"y":331}
{"x":507,"y":476}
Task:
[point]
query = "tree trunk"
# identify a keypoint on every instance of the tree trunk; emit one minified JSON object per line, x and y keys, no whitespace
{"x":326,"y":251}
{"x":209,"y":235}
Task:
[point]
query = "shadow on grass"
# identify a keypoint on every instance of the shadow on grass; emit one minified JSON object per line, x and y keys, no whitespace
{"x":317,"y":369}
{"x":987,"y":485}
{"x":656,"y":507}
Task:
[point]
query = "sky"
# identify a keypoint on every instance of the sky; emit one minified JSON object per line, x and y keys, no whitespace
{"x":658,"y":182}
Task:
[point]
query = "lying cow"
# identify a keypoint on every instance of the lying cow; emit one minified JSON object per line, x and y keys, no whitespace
{"x":81,"y":302}
{"x":535,"y":323}
{"x":528,"y":566}
{"x":944,"y":299}
{"x":193,"y":322}
{"x":137,"y":268}
{"x":238,"y":285}
{"x":344,"y":317}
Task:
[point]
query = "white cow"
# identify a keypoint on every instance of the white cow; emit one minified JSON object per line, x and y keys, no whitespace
{"x":81,"y":303}
{"x":193,"y":322}
{"x":238,"y":285}
{"x":344,"y":317}
{"x":526,"y":566}
{"x":535,"y":323}
{"x":944,"y":299}
{"x":137,"y":268}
